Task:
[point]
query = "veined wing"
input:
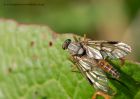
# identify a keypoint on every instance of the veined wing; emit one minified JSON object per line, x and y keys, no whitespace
{"x":104,"y":49}
{"x":92,"y":73}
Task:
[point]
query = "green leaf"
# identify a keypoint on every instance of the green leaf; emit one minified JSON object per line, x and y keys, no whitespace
{"x":34,"y":66}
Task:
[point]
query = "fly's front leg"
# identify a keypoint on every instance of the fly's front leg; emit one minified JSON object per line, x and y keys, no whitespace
{"x":100,"y":93}
{"x":85,"y":39}
{"x":73,"y":67}
{"x":71,"y":58}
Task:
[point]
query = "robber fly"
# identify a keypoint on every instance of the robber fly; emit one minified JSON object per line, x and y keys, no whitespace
{"x":90,"y":58}
{"x":100,"y":51}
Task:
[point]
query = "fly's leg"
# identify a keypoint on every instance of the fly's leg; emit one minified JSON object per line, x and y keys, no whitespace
{"x":74,"y":69}
{"x":122,"y":61}
{"x":79,"y":39}
{"x":85,"y":39}
{"x":70,"y":58}
{"x":100,"y":93}
{"x":76,"y":39}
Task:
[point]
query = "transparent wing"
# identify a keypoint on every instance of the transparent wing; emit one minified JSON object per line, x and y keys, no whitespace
{"x":103,"y":49}
{"x":92,"y":73}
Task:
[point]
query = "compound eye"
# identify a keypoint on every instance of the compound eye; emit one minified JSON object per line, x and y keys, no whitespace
{"x":66,"y":43}
{"x":64,"y":46}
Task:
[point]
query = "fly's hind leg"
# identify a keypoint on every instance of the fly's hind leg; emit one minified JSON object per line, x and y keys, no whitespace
{"x":100,"y":93}
{"x":73,"y":67}
{"x":122,"y":60}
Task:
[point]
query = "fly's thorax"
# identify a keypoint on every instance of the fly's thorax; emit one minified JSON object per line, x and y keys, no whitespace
{"x":75,"y":48}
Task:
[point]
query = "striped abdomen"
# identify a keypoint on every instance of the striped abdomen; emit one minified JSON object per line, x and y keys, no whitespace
{"x":108,"y":68}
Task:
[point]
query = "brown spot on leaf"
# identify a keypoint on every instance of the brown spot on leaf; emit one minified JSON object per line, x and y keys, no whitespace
{"x":32,"y":43}
{"x":9,"y":69}
{"x":50,"y":43}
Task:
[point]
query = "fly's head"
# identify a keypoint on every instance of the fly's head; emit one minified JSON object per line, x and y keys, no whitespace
{"x":66,"y":44}
{"x":74,"y":48}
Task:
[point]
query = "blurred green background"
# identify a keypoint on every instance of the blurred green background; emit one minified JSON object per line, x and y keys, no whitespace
{"x":99,"y":19}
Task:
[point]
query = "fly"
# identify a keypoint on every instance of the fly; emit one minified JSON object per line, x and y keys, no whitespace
{"x":90,"y":57}
{"x":99,"y":50}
